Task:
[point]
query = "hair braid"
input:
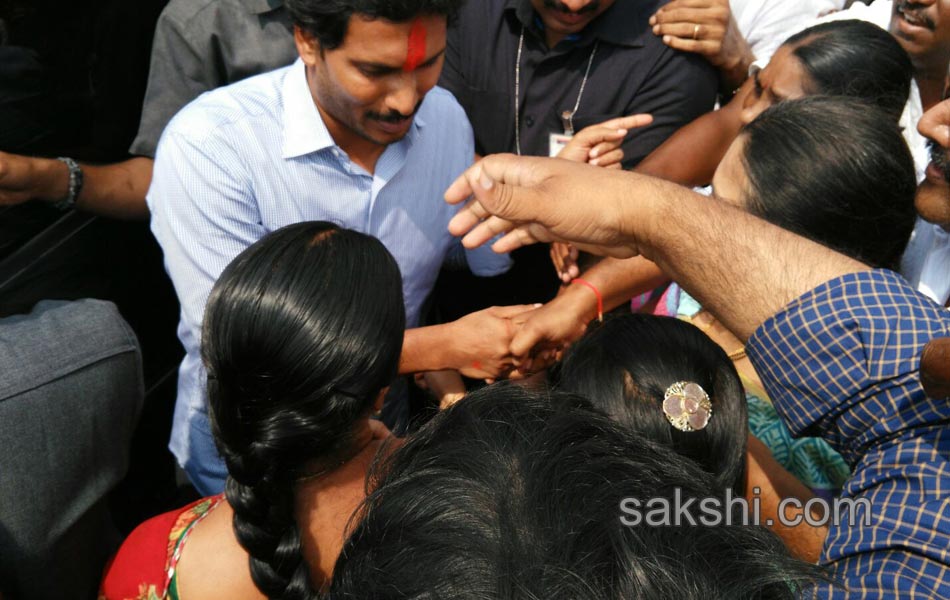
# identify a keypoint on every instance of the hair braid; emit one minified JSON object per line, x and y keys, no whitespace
{"x":295,"y":359}
{"x":264,"y":525}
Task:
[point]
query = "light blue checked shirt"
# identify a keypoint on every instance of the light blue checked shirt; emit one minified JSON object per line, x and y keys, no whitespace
{"x":251,"y":157}
{"x":842,"y":362}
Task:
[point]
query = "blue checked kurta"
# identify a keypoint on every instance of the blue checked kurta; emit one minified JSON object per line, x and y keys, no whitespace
{"x":842,"y":362}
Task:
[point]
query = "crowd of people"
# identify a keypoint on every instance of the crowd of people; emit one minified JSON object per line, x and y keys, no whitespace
{"x":510,"y":299}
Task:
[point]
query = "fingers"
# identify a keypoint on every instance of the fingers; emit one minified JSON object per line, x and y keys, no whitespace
{"x":524,"y":341}
{"x":507,"y":312}
{"x":461,"y":189}
{"x":935,"y":124}
{"x":697,"y":26}
{"x":559,"y":253}
{"x":598,"y":135}
{"x":467,"y":218}
{"x":564,"y":257}
{"x":501,"y":184}
{"x":569,"y":269}
{"x":687,"y":30}
{"x":518,"y":238}
{"x":679,"y":4}
{"x":598,"y":151}
{"x":540,"y":200}
{"x":704,"y":47}
{"x":703,"y":17}
{"x":610,"y":133}
{"x":609,"y":158}
{"x":692,"y":11}
{"x":572,"y":273}
{"x":485,"y":231}
{"x":629,"y":122}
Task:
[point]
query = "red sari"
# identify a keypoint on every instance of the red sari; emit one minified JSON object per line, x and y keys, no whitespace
{"x":144,"y":568}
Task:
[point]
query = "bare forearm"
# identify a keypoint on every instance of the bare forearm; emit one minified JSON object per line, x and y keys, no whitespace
{"x":690,"y":156}
{"x":770,"y":483}
{"x":617,"y":280}
{"x":424,"y":349}
{"x":116,"y":190}
{"x":741,"y":268}
{"x":712,"y":250}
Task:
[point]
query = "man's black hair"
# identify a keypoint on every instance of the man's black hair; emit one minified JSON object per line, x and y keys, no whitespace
{"x":327,"y":20}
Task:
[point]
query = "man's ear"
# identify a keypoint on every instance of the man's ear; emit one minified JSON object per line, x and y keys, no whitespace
{"x":307,"y":46}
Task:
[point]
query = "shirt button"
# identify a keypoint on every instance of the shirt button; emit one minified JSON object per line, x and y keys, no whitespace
{"x":529,"y":121}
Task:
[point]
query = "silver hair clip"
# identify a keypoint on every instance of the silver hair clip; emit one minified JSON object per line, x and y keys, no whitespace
{"x":687,"y":406}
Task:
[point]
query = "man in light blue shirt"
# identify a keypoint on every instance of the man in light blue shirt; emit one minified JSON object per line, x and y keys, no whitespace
{"x":350,"y":133}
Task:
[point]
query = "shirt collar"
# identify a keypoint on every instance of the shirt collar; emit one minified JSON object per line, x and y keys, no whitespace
{"x":304,"y":129}
{"x":259,"y":7}
{"x":623,"y":24}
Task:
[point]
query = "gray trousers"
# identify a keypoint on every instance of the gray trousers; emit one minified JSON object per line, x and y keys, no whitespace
{"x":70,"y":396}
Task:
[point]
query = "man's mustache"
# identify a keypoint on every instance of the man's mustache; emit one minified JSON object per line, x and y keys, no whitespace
{"x":560,"y":6}
{"x":393,"y":116}
{"x":916,"y":12}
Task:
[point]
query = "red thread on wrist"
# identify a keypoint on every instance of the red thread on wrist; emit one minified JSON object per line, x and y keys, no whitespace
{"x":600,"y":298}
{"x":417,"y":46}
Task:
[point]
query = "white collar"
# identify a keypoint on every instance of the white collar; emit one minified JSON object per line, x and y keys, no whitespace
{"x":304,"y":129}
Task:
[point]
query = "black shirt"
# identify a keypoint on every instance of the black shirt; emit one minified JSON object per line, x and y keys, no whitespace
{"x":632,"y":72}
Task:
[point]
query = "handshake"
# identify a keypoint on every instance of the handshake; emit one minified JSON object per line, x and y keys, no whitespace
{"x":511,"y":342}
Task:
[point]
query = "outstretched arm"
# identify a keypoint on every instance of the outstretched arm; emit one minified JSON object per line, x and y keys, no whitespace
{"x":116,"y":190}
{"x":690,"y":156}
{"x":477,"y":345}
{"x":716,"y":252}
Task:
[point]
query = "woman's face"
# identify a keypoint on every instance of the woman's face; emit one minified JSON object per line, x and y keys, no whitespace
{"x":730,"y":182}
{"x":784,"y":78}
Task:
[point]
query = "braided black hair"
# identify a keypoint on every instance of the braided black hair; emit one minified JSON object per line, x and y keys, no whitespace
{"x":302,"y":331}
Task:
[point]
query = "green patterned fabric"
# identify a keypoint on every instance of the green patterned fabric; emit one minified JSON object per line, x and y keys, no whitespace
{"x":811,"y":460}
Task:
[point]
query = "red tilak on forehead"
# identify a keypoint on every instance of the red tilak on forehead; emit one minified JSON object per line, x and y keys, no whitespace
{"x":417,"y":46}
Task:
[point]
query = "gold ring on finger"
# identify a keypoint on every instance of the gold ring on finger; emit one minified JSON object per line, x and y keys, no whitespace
{"x":695,"y":32}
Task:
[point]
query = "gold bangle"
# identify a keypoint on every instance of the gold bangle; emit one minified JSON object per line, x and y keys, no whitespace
{"x":737,"y":354}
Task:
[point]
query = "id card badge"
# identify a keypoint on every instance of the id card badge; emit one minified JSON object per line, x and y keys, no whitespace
{"x":556,"y":143}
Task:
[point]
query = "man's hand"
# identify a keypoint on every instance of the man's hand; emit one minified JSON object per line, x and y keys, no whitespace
{"x":549,"y":330}
{"x":480,"y":341}
{"x":25,"y":178}
{"x":935,"y":124}
{"x":706,"y":27}
{"x":564,"y":258}
{"x":599,"y":145}
{"x":545,"y":200}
